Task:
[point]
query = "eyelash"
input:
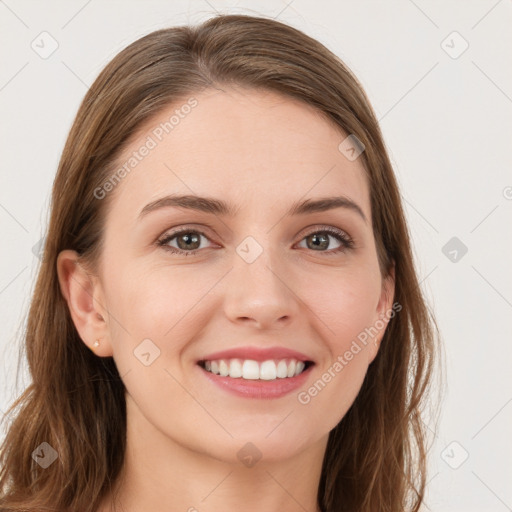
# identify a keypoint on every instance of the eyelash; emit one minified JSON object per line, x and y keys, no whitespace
{"x":346,"y":242}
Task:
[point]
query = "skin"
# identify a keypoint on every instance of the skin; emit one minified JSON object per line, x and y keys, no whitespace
{"x":183,"y":433}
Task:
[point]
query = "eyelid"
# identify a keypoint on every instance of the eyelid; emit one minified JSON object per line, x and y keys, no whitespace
{"x":202,"y":229}
{"x":313,"y":228}
{"x":324,"y":227}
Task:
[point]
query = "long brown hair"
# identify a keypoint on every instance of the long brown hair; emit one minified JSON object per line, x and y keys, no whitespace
{"x":376,"y":456}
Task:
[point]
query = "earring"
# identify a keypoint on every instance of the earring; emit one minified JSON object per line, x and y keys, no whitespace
{"x":96,"y":344}
{"x":375,"y":343}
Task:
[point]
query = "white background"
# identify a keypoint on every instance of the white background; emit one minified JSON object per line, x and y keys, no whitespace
{"x":448,"y":125}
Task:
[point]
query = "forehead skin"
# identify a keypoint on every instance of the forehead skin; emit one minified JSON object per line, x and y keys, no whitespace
{"x":254,"y":148}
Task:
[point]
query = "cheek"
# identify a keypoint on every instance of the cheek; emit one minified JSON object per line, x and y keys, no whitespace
{"x":151,"y":321}
{"x":157,"y":304}
{"x":346,"y":303}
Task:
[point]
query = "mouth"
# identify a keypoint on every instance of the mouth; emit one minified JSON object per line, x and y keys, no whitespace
{"x":250,"y":369}
{"x":248,"y":378}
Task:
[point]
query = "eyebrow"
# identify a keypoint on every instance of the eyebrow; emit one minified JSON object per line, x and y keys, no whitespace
{"x":220,"y":207}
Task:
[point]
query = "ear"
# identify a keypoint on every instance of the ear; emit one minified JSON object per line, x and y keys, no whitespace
{"x":84,"y":296}
{"x":384,"y":312}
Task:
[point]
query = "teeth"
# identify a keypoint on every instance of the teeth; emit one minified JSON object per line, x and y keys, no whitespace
{"x":291,"y":368}
{"x":250,"y":370}
{"x":268,"y":370}
{"x":235,"y":368}
{"x":253,"y":370}
{"x":223,"y":368}
{"x":282,"y":369}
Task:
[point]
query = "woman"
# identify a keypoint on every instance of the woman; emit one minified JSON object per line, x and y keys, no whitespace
{"x":227,"y":311}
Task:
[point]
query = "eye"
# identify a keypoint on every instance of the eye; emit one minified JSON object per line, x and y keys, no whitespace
{"x":320,"y":240}
{"x":189,"y":240}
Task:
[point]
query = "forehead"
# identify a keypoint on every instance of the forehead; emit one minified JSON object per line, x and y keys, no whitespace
{"x":256,"y":149}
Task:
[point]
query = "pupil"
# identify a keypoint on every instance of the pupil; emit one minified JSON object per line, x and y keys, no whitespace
{"x":188,"y":238}
{"x":320,"y":243}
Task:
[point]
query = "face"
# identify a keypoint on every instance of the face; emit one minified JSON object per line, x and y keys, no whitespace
{"x":257,"y":279}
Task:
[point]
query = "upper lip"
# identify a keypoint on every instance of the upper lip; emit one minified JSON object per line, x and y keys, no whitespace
{"x":257,"y":354}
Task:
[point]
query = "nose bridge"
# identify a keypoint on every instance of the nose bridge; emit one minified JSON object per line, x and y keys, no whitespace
{"x":258,"y":289}
{"x":259,"y":257}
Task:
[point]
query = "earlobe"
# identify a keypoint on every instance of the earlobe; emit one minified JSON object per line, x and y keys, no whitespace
{"x":83,"y":295}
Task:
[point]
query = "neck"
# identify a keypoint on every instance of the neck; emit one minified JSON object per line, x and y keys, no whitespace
{"x":160,"y":474}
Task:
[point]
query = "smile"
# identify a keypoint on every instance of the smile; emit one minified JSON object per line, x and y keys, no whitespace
{"x":249,"y":369}
{"x":248,"y":378}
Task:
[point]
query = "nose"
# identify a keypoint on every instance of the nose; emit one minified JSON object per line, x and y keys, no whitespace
{"x":260,"y":293}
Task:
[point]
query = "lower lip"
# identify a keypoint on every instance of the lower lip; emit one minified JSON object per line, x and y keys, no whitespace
{"x":264,"y":389}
